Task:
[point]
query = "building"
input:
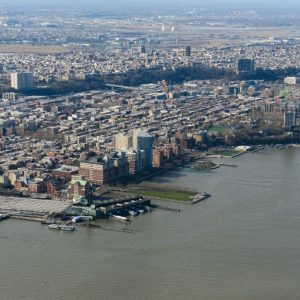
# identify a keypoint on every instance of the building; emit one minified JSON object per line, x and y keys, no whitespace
{"x":292,"y":80}
{"x":188,"y":51}
{"x":289,"y":119}
{"x":79,"y":188}
{"x":141,"y":143}
{"x":245,"y":65}
{"x":136,"y":160}
{"x":10,"y":96}
{"x":157,"y":158}
{"x":232,"y":90}
{"x":37,"y":186}
{"x":135,"y":134}
{"x":65,"y":172}
{"x":122,"y":141}
{"x":143,"y":49}
{"x":93,"y":172}
{"x":107,"y":168}
{"x":4,"y":181}
{"x":21,"y":81}
{"x":145,"y":143}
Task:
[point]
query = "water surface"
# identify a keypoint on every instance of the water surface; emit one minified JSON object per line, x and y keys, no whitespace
{"x":242,"y":243}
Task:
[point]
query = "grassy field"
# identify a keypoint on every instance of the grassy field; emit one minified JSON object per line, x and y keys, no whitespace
{"x":220,"y":129}
{"x":168,"y":195}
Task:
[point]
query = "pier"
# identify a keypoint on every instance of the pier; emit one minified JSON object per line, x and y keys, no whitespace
{"x":30,"y":209}
{"x":166,"y":208}
{"x":100,"y":227}
{"x":229,"y":165}
{"x":199,"y":198}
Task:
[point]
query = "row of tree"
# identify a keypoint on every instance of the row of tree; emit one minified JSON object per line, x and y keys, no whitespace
{"x":144,"y":76}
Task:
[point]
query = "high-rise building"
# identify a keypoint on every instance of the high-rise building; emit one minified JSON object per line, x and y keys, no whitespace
{"x":136,"y":160}
{"x":135,"y":134}
{"x":245,"y":65}
{"x":105,"y":169}
{"x":21,"y":81}
{"x":289,"y":118}
{"x":122,"y":141}
{"x":292,"y":80}
{"x":140,"y":143}
{"x":143,"y":49}
{"x":145,"y":142}
{"x":188,"y":51}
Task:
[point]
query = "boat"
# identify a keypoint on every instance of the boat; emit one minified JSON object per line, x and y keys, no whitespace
{"x":67,"y":228}
{"x":205,"y":194}
{"x":120,"y":218}
{"x":4,"y":216}
{"x":54,"y":226}
{"x":132,"y":212}
{"x":148,"y":208}
{"x":82,"y":218}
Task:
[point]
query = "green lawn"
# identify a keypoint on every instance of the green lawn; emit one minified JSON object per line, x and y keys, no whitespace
{"x":170,"y":195}
{"x":220,"y":129}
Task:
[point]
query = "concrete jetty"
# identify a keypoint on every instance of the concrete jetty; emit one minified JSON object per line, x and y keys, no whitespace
{"x":200,"y":197}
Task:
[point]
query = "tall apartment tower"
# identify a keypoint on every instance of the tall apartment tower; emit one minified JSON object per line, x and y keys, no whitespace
{"x":289,"y":118}
{"x":142,"y":49}
{"x":140,"y":142}
{"x":122,"y":141}
{"x":188,"y":51}
{"x":245,"y":65}
{"x":145,"y":143}
{"x":21,"y":81}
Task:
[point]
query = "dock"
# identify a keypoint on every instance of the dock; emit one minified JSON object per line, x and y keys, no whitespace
{"x":229,"y":165}
{"x":97,"y":226}
{"x":30,"y":209}
{"x":199,"y":198}
{"x":165,"y":208}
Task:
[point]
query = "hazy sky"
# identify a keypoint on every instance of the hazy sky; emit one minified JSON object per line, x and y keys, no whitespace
{"x":105,"y":4}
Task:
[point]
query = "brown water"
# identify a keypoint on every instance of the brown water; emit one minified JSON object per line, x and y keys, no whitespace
{"x":242,"y":243}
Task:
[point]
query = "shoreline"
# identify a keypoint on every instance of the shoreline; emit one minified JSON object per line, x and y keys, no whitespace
{"x":28,"y":208}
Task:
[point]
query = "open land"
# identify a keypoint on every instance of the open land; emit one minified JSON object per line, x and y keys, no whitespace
{"x":30,"y":49}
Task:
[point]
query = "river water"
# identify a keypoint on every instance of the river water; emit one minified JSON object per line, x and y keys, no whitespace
{"x":242,"y":243}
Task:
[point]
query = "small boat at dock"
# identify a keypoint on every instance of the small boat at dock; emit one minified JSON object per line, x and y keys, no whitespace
{"x":4,"y":216}
{"x":54,"y":226}
{"x":120,"y":218}
{"x":67,"y":228}
{"x":132,"y":212}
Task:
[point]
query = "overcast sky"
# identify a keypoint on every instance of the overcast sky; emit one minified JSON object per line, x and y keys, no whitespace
{"x":105,"y":4}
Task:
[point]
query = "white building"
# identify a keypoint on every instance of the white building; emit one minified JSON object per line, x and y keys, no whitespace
{"x":22,"y":80}
{"x":292,"y":80}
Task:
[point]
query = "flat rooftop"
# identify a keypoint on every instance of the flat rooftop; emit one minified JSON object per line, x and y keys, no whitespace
{"x":15,"y":204}
{"x":65,"y":168}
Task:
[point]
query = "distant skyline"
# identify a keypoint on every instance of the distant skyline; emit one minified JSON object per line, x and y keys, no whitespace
{"x":155,"y":4}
